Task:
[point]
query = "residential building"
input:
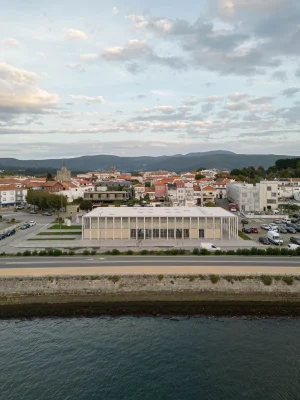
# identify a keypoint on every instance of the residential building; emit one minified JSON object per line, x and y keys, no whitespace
{"x":246,"y":196}
{"x":106,"y":197}
{"x":11,"y":195}
{"x":52,"y":186}
{"x":159,"y":223}
{"x":220,"y":187}
{"x":208,"y":194}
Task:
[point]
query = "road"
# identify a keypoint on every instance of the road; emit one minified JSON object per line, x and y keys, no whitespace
{"x":141,"y":265}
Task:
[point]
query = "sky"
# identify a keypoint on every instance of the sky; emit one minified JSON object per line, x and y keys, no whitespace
{"x":149,"y":77}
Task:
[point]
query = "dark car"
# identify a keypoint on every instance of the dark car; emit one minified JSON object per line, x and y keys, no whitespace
{"x":25,"y":226}
{"x":11,"y":232}
{"x":47,"y":214}
{"x":289,"y":229}
{"x":254,"y":230}
{"x":295,"y":240}
{"x":32,"y":212}
{"x":244,"y":221}
{"x":2,"y":236}
{"x":264,"y":240}
{"x":247,"y":230}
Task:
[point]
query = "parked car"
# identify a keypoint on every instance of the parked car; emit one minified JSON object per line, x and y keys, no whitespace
{"x":292,"y":246}
{"x":31,"y":223}
{"x":32,"y":212}
{"x":282,"y":229}
{"x":247,"y":230}
{"x":25,"y":226}
{"x":11,"y":232}
{"x":264,"y":240}
{"x":295,"y":239}
{"x":265,"y":227}
{"x":254,"y":230}
{"x":2,"y":236}
{"x":20,"y":207}
{"x":244,"y":221}
{"x":47,"y":214}
{"x":277,"y":221}
{"x":289,"y":229}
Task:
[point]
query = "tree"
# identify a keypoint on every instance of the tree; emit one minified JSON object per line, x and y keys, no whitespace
{"x":199,"y":176}
{"x":148,"y":184}
{"x":285,"y":173}
{"x":200,"y":169}
{"x":147,"y":198}
{"x":86,"y":205}
{"x":46,"y":200}
{"x":49,"y":177}
{"x":236,"y":172}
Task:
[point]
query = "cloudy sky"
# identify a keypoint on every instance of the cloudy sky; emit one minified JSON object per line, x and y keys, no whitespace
{"x":149,"y":77}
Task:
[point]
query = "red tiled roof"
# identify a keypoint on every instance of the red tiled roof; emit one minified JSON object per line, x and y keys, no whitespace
{"x":208,"y":188}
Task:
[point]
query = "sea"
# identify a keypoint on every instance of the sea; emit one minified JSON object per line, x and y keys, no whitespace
{"x":140,"y":358}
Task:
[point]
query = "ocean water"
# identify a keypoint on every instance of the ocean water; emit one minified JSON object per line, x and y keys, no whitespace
{"x":150,"y":358}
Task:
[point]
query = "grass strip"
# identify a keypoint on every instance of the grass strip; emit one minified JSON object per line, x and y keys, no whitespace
{"x":57,"y":226}
{"x":50,"y":239}
{"x":243,"y":236}
{"x":58,"y":233}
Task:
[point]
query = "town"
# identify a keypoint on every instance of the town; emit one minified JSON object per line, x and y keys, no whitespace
{"x":111,"y":209}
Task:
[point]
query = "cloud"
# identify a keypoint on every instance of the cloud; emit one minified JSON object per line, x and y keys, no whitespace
{"x":165,"y":109}
{"x":77,"y":67}
{"x":238,"y":106}
{"x":139,"y":51}
{"x":261,"y":100}
{"x":279,"y":76}
{"x":87,"y":99}
{"x":89,"y":56}
{"x":160,"y":92}
{"x":212,"y":98}
{"x":236,"y":96}
{"x":11,"y":42}
{"x":19,"y":93}
{"x":115,"y":11}
{"x":291,"y":91}
{"x":75,"y":34}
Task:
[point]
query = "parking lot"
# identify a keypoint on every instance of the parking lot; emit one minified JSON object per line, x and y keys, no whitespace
{"x":256,"y":223}
{"x":42,"y":223}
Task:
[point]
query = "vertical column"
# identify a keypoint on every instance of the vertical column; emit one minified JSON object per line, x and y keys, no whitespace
{"x":167,"y":228}
{"x":121,"y":228}
{"x":152,"y":227}
{"x":182,"y":227}
{"x":113,"y":224}
{"x":90,"y":228}
{"x":221,"y":225}
{"x":214,"y":228}
{"x":98,"y":228}
{"x":198,"y":224}
{"x":175,"y":228}
{"x":229,"y":228}
{"x":144,"y":228}
{"x":205,"y":232}
{"x":159,"y":227}
{"x":83,"y":227}
{"x":190,"y":233}
{"x":105,"y":227}
{"x":136,"y":228}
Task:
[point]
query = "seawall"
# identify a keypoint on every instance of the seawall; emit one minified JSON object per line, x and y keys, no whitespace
{"x":26,"y":296}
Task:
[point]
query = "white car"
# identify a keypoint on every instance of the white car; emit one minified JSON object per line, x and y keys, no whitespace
{"x":31,"y":223}
{"x":265,"y":227}
{"x":292,"y":246}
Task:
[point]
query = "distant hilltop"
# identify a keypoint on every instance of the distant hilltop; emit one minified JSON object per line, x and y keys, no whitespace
{"x":220,"y":159}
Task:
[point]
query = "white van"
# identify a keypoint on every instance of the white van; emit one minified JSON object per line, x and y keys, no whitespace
{"x":209,"y":246}
{"x":275,"y":238}
{"x":292,"y":246}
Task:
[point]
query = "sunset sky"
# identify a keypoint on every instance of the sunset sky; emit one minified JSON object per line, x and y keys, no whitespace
{"x":149,"y":77}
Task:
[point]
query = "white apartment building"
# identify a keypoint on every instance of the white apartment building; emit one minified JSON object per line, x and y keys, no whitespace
{"x":268,"y":195}
{"x":245,"y":195}
{"x":11,"y":195}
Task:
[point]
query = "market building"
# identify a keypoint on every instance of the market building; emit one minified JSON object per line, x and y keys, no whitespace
{"x":159,"y":223}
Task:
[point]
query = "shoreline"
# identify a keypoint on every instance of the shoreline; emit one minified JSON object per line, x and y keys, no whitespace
{"x":151,"y":309}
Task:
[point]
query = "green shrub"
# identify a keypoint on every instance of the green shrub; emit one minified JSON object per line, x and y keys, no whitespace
{"x":144,"y":252}
{"x":71,"y":252}
{"x":35,"y":253}
{"x":192,"y":278}
{"x":174,"y":252}
{"x":239,"y":252}
{"x":43,"y":253}
{"x":288,"y":280}
{"x":27,"y":253}
{"x":160,"y":277}
{"x":266,"y":280}
{"x":93,"y":252}
{"x":253,"y":251}
{"x":19,"y":253}
{"x":181,"y":252}
{"x":218,"y":253}
{"x":298,"y":251}
{"x":114,"y":278}
{"x":129,"y":252}
{"x":246,"y":252}
{"x":214,"y":278}
{"x":115,"y":252}
{"x":196,"y":251}
{"x":107,"y":253}
{"x":50,"y":252}
{"x":57,"y":252}
{"x":86,"y":253}
{"x":261,"y":252}
{"x":284,"y":251}
{"x":13,"y":220}
{"x":204,"y":252}
{"x":230,"y":252}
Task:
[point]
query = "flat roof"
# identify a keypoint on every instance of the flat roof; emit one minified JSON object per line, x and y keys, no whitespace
{"x":159,"y":212}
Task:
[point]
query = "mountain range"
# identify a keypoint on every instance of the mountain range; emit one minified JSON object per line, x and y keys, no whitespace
{"x":219,"y":159}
